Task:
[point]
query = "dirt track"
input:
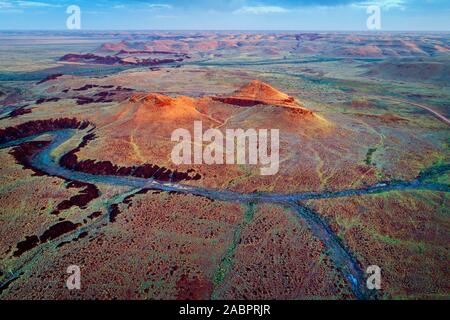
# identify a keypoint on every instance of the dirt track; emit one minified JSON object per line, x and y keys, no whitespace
{"x":435,"y":113}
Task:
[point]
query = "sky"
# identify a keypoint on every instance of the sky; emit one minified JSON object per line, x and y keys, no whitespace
{"x":335,"y":15}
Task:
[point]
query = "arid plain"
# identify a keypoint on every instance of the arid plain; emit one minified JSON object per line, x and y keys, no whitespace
{"x":87,"y":178}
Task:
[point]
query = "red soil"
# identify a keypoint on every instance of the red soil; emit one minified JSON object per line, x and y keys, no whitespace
{"x":195,"y":289}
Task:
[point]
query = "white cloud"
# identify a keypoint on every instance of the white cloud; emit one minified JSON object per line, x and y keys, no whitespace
{"x":5,"y":5}
{"x":384,"y":4}
{"x":22,"y":4}
{"x":34,"y":4}
{"x":159,"y":6}
{"x":260,"y":10}
{"x":143,"y":7}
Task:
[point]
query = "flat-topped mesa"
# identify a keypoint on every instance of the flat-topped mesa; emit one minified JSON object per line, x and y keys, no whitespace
{"x":158,"y":106}
{"x":114,"y":46}
{"x":159,"y":100}
{"x":262,"y":91}
{"x":155,"y":99}
{"x":257,"y":92}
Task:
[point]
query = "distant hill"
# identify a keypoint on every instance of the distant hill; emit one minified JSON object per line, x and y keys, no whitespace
{"x":436,"y":72}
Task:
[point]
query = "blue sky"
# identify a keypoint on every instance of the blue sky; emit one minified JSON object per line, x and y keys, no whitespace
{"x":421,"y":15}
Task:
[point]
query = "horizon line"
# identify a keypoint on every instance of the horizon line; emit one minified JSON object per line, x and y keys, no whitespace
{"x":221,"y":30}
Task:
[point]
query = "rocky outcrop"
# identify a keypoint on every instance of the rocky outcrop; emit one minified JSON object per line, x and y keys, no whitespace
{"x":116,"y":60}
{"x":81,"y":200}
{"x":50,"y":77}
{"x":53,"y":232}
{"x":147,"y":171}
{"x":40,"y":126}
{"x":260,"y":93}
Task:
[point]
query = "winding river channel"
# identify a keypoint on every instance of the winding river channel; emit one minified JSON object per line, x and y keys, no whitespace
{"x":48,"y":160}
